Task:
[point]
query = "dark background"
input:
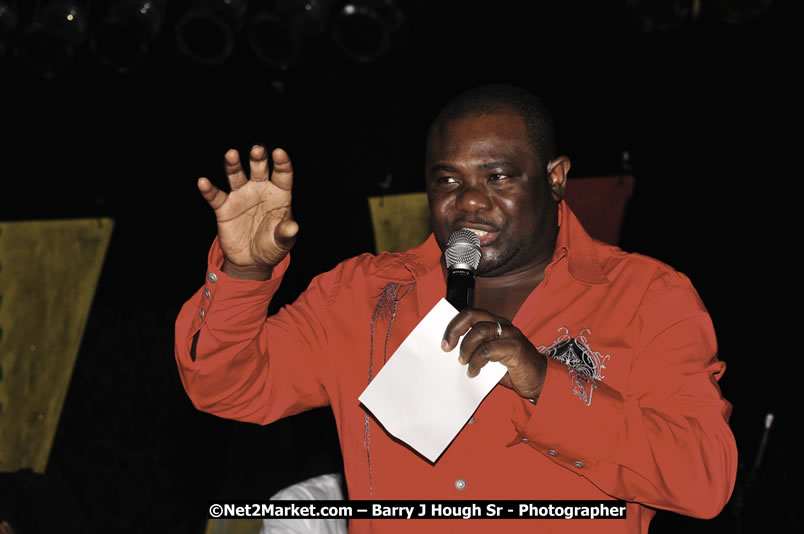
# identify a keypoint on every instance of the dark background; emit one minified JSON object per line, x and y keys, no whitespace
{"x":706,"y":108}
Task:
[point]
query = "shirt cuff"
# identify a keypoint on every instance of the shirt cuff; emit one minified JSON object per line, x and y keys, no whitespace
{"x":562,"y":426}
{"x":229,"y":305}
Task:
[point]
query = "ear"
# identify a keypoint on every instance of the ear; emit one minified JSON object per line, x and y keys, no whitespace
{"x":557,"y":171}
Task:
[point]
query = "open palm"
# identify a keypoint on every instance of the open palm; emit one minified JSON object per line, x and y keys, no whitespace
{"x":255,"y":225}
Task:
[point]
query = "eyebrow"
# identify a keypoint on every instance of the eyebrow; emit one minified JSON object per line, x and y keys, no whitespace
{"x":443,"y":167}
{"x":485,"y":166}
{"x":495,"y":164}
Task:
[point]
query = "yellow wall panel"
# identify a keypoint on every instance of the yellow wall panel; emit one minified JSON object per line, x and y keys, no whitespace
{"x":48,"y":274}
{"x":400,"y":221}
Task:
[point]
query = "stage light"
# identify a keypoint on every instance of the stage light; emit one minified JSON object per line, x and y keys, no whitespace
{"x":205,"y":34}
{"x":362,"y":28}
{"x":47,"y":46}
{"x":122,"y":40}
{"x":273,"y":41}
{"x":276,"y":36}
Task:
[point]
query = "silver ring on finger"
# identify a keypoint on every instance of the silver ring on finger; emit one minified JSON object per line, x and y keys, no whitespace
{"x":499,"y":330}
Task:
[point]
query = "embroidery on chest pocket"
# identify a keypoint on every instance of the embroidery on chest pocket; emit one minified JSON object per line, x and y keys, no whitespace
{"x":585,"y":365}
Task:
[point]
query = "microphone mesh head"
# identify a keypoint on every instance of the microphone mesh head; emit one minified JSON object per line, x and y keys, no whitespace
{"x":463,"y":250}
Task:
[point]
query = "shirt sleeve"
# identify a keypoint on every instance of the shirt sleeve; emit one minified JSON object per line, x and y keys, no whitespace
{"x":664,"y":441}
{"x":236,"y":363}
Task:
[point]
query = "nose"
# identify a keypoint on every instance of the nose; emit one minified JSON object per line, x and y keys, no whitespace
{"x":473,"y":198}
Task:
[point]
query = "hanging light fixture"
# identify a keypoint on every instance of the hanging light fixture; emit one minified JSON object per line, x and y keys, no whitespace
{"x":123,"y":39}
{"x":206,"y":33}
{"x":47,"y":46}
{"x":276,"y":36}
{"x":362,"y":28}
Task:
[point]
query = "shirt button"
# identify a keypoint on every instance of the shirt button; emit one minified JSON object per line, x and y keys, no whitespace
{"x":578,"y":464}
{"x":523,"y":440}
{"x":212,"y":278}
{"x":202,"y":313}
{"x":551,"y":452}
{"x":460,"y":484}
{"x":206,"y":293}
{"x":471,"y":419}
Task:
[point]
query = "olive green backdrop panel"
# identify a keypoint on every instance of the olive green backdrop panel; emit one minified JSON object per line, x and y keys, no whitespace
{"x":400,"y":221}
{"x":48,"y":274}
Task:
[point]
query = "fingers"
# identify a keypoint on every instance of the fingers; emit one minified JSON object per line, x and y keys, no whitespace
{"x":282,"y":176}
{"x":465,"y":320}
{"x":481,"y":345}
{"x":487,"y":351}
{"x":211,"y":194}
{"x":481,"y":334}
{"x":479,"y":329}
{"x":483,"y":340}
{"x":234,"y":170}
{"x":258,"y":163}
{"x":487,"y":338}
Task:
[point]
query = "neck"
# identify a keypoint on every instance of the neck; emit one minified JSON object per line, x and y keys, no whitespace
{"x":528,"y":276}
{"x":503,"y":295}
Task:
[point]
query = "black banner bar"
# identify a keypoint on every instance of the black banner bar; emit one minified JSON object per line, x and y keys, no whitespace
{"x":418,"y":509}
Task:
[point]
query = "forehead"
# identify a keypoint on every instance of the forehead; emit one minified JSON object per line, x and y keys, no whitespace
{"x":497,"y":134}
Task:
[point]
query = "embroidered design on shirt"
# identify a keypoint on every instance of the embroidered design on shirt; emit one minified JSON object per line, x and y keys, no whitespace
{"x":585,"y":365}
{"x":387,"y":303}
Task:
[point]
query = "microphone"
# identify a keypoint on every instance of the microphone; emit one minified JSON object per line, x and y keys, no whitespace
{"x":462,"y":258}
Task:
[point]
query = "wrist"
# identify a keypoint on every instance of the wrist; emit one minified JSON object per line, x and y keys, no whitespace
{"x":535,"y":391}
{"x":249,"y":272}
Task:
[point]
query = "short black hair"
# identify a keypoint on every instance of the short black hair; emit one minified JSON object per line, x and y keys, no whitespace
{"x":498,"y":98}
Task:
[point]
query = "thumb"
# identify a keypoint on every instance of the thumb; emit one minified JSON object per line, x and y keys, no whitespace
{"x":272,"y":242}
{"x":285,"y":234}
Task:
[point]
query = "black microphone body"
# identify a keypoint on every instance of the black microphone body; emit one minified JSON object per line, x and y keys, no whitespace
{"x":461,"y":288}
{"x":462,"y":257}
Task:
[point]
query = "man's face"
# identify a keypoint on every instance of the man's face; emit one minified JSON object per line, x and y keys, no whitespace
{"x":483,"y":174}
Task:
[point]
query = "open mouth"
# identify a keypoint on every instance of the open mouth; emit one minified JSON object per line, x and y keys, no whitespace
{"x":484,"y":236}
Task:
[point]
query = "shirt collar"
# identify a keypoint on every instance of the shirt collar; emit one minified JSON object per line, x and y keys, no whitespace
{"x":425,"y":266}
{"x":578,"y":247}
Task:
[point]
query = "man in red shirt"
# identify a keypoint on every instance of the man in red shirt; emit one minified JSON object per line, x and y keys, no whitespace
{"x":611,"y":386}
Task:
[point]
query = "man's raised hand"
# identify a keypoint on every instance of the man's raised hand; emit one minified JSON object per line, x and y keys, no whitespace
{"x":256,"y":229}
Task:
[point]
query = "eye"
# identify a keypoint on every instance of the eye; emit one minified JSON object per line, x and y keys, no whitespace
{"x":497,"y":176}
{"x":446,"y":180}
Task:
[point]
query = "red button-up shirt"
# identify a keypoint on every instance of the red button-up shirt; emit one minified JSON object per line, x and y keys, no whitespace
{"x":630,"y":408}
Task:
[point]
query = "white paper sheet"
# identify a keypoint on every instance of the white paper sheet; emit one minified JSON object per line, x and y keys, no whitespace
{"x":422,"y":394}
